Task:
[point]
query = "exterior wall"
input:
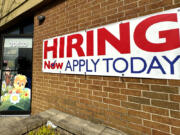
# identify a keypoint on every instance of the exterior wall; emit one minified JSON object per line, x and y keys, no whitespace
{"x":10,"y":9}
{"x":135,"y":105}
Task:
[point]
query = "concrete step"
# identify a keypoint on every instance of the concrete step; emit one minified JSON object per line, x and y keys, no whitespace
{"x":71,"y":124}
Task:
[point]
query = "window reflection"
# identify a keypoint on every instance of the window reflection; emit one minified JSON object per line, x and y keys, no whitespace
{"x":28,"y":29}
{"x":14,"y":31}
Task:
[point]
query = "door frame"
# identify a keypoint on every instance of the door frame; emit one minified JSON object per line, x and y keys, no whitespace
{"x":4,"y":36}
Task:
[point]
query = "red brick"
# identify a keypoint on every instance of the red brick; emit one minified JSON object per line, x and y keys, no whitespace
{"x":176,"y":1}
{"x":117,"y":115}
{"x":130,"y":6}
{"x":131,"y":105}
{"x":129,"y":1}
{"x":70,"y":93}
{"x":131,"y":92}
{"x":85,"y":81}
{"x":100,"y":105}
{"x":154,"y":81}
{"x":117,"y":96}
{"x":135,"y":10}
{"x":158,"y":4}
{"x":156,"y":132}
{"x":85,"y":91}
{"x":156,"y":110}
{"x":95,"y":77}
{"x":164,"y":89}
{"x":137,"y":80}
{"x":175,"y":130}
{"x":134,"y":120}
{"x":110,"y":89}
{"x":117,"y":84}
{"x":175,"y":98}
{"x":85,"y":101}
{"x":139,"y":100}
{"x":95,"y":87}
{"x":165,"y":104}
{"x":114,"y":5}
{"x":106,"y":3}
{"x":155,"y":95}
{"x":138,"y":86}
{"x":172,"y":6}
{"x":139,"y":114}
{"x":118,"y":109}
{"x":107,"y":78}
{"x":81,"y":85}
{"x":110,"y":12}
{"x":174,"y":82}
{"x":80,"y":95}
{"x":175,"y":114}
{"x":156,"y":125}
{"x":115,"y":16}
{"x":151,"y":12}
{"x":95,"y":98}
{"x":74,"y":89}
{"x":144,"y":2}
{"x":114,"y":121}
{"x":169,"y":121}
{"x":111,"y":101}
{"x":99,"y":20}
{"x":99,"y":93}
{"x":96,"y":82}
{"x":142,"y":129}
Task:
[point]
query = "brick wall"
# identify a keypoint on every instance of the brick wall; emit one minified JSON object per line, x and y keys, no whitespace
{"x":135,"y":105}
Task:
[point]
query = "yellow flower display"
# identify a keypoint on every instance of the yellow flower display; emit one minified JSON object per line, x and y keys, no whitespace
{"x":14,"y":98}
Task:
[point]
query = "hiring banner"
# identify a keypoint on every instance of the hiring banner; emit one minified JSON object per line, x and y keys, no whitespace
{"x":146,"y":47}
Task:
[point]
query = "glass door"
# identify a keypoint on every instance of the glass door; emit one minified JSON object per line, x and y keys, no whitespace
{"x":16,"y":75}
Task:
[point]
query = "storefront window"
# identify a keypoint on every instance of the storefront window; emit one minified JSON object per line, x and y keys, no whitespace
{"x":16,"y":68}
{"x":16,"y":75}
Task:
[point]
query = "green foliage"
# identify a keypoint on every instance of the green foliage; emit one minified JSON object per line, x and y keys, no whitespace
{"x":24,"y":104}
{"x":44,"y":131}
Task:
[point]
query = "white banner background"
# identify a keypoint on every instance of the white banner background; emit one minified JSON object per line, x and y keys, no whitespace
{"x":100,"y":68}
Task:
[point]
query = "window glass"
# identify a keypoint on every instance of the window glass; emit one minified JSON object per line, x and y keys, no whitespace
{"x":17,"y":54}
{"x":14,"y":31}
{"x":28,"y":29}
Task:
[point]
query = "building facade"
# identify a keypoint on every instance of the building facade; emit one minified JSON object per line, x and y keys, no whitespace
{"x":137,"y":106}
